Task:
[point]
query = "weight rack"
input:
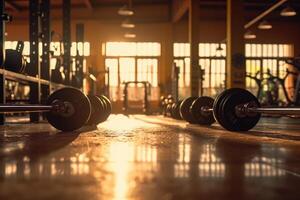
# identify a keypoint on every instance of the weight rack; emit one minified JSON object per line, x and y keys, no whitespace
{"x":38,"y":77}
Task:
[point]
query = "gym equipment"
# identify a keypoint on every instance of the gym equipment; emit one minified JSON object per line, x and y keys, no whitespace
{"x":2,"y":56}
{"x":100,"y":109}
{"x":67,"y":109}
{"x":185,"y":110}
{"x":197,"y":107}
{"x":147,"y":89}
{"x":168,"y":105}
{"x":108,"y":108}
{"x":58,"y":75}
{"x":74,"y":109}
{"x":76,"y":79}
{"x":14,"y":60}
{"x":161,"y":104}
{"x":175,"y":110}
{"x":258,"y":82}
{"x":234,"y":109}
{"x":295,"y":62}
{"x":237,"y":109}
{"x":228,"y":110}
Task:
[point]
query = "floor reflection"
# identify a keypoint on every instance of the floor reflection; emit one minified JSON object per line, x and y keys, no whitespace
{"x":143,"y":160}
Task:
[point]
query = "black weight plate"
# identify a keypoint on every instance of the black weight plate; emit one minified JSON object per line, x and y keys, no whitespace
{"x":2,"y":57}
{"x":176,"y":110}
{"x":108,"y":109}
{"x":172,"y":110}
{"x":202,"y":118}
{"x":97,"y":110}
{"x":14,"y":60}
{"x":169,"y":110}
{"x":80,"y":105}
{"x":217,"y":103}
{"x":185,"y":110}
{"x":226,"y":113}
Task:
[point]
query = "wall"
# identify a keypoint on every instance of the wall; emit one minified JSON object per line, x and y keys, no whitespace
{"x":163,"y":31}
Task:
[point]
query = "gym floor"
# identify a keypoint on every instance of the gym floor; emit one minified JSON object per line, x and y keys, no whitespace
{"x":150,"y":157}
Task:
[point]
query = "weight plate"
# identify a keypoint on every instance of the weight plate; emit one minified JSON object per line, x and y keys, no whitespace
{"x":79,"y":109}
{"x":203,"y":118}
{"x":169,"y":110}
{"x":176,"y":111}
{"x":217,"y":103}
{"x":185,"y":110}
{"x":14,"y":60}
{"x":107,"y":103}
{"x":225,"y":114}
{"x":2,"y":57}
{"x":172,"y":109}
{"x":97,"y":110}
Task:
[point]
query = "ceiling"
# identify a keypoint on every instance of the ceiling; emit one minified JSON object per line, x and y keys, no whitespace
{"x":212,"y":7}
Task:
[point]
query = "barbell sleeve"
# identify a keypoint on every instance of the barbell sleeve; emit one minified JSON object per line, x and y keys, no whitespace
{"x":276,"y":111}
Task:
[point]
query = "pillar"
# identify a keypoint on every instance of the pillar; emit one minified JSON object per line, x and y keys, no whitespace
{"x":235,"y":60}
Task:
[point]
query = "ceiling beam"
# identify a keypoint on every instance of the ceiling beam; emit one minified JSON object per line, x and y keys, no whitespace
{"x":13,"y":6}
{"x":88,"y":4}
{"x":265,"y":13}
{"x":179,"y":8}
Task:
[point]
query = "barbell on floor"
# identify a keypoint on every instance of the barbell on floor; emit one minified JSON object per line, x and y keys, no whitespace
{"x":67,"y":109}
{"x":234,"y":109}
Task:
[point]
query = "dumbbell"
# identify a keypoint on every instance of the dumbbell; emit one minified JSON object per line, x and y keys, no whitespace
{"x":192,"y":109}
{"x":175,"y":112}
{"x":67,"y":109}
{"x":161,"y":104}
{"x":170,"y":101}
{"x":101,"y":109}
{"x":166,"y":105}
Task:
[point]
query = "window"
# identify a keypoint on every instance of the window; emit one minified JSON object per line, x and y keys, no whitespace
{"x":147,"y":70}
{"x":56,"y":47}
{"x":211,"y":60}
{"x":148,"y":49}
{"x":259,"y":57}
{"x":262,"y":58}
{"x":132,"y":61}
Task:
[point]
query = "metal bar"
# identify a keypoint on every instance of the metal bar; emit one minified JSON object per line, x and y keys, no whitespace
{"x":4,"y":108}
{"x":277,"y":111}
{"x":2,"y":76}
{"x":34,"y":69}
{"x":66,"y":27}
{"x":79,"y":58}
{"x":46,"y":38}
{"x":263,"y":14}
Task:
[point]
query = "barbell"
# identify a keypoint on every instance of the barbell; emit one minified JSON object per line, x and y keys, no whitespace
{"x":234,"y":109}
{"x":67,"y":109}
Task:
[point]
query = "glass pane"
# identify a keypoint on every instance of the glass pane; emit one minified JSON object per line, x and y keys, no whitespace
{"x":112,"y":64}
{"x":127,"y":69}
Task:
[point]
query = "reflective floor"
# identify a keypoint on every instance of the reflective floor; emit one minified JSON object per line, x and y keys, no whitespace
{"x":150,"y":158}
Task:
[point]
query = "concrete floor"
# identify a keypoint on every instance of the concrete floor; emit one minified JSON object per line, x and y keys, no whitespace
{"x":147,"y":157}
